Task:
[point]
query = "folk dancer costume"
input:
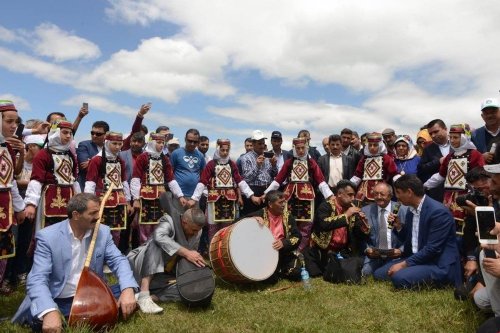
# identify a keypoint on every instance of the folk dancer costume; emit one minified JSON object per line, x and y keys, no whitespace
{"x":453,"y":170}
{"x":10,"y":200}
{"x":407,"y":165}
{"x":284,"y":228}
{"x":221,"y":177}
{"x":53,"y":179}
{"x":373,"y":169}
{"x":303,"y":175}
{"x":334,"y":232}
{"x":105,"y":169}
{"x":152,"y":170}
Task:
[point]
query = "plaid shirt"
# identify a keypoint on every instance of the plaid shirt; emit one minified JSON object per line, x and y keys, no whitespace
{"x":255,"y":175}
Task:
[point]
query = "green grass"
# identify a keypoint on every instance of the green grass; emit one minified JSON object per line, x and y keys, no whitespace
{"x":372,"y":307}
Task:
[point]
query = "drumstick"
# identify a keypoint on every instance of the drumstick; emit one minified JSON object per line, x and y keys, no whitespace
{"x":284,"y":288}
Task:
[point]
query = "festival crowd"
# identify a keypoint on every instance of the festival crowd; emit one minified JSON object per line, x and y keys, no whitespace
{"x":377,"y":204}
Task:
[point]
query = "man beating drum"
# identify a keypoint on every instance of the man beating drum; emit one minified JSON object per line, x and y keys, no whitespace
{"x":153,"y":263}
{"x":285,"y":232}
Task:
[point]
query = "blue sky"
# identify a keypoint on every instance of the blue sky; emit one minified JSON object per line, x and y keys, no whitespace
{"x":229,"y":67}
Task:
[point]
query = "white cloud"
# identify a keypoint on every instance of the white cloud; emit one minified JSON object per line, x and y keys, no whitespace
{"x":101,"y":104}
{"x":359,"y":44}
{"x":7,"y":35}
{"x":21,"y":104}
{"x":162,"y":68}
{"x":51,"y":41}
{"x":22,"y":63}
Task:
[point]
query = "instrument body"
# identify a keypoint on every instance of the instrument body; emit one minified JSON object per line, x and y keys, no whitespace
{"x":93,"y":304}
{"x":243,"y":252}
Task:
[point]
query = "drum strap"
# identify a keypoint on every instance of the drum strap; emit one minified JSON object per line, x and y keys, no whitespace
{"x":219,"y":251}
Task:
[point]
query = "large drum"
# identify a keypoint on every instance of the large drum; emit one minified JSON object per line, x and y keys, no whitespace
{"x":243,"y":252}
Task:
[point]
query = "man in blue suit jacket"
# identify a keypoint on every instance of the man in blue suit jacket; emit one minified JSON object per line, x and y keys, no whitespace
{"x":382,"y":207}
{"x":89,"y":148}
{"x":60,"y":254}
{"x":430,"y":253}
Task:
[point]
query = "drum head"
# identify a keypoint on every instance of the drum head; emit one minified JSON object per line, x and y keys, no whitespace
{"x":251,"y":249}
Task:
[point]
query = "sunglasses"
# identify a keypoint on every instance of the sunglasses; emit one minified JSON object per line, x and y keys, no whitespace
{"x":96,"y":133}
{"x":192,"y":141}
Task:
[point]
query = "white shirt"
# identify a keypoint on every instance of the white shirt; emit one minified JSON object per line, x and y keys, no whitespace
{"x":279,"y":159}
{"x":79,"y":250}
{"x":416,"y":225}
{"x":445,"y":149}
{"x":386,"y":215}
{"x":335,"y":170}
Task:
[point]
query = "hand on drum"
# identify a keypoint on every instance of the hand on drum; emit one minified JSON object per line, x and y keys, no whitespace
{"x":259,"y":219}
{"x":278,"y":244}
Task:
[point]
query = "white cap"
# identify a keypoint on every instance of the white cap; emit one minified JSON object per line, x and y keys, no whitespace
{"x":489,"y":103}
{"x":258,"y":135}
{"x":492,"y":168}
{"x":173,"y":141}
{"x":34,"y":138}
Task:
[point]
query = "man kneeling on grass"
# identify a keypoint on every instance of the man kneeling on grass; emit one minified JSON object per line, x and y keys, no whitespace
{"x":430,"y":250}
{"x":154,"y":262}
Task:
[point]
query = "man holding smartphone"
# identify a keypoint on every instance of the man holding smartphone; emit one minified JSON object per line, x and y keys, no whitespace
{"x":489,"y":298}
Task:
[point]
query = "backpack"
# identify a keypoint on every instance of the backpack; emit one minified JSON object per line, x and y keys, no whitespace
{"x":196,"y":284}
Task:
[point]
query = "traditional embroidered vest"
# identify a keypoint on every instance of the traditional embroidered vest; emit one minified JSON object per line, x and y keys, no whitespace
{"x":455,"y":176}
{"x":113,"y":174}
{"x":155,"y":174}
{"x":373,"y":168}
{"x":299,"y":172}
{"x":6,"y":169}
{"x":63,"y":168}
{"x":223,"y":176}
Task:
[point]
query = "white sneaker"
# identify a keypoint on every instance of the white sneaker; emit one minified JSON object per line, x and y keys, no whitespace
{"x":147,"y":305}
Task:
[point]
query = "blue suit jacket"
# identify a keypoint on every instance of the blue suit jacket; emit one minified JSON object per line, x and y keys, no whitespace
{"x":436,"y":237}
{"x":85,"y":151}
{"x":52,"y":265}
{"x":479,"y":139}
{"x":371,"y":212}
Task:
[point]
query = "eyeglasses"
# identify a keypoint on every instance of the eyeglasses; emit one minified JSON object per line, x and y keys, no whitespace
{"x":192,"y":141}
{"x":96,"y":133}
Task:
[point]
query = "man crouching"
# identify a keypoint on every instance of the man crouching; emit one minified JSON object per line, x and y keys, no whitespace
{"x":154,"y":262}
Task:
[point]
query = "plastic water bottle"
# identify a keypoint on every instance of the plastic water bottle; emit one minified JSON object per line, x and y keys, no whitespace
{"x":306,"y":280}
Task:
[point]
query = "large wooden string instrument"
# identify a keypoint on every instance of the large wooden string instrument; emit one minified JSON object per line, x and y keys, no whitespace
{"x":94,"y":304}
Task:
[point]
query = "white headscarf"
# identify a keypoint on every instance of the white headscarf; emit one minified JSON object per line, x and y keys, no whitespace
{"x":411,"y":149}
{"x":382,"y":149}
{"x":54,"y":139}
{"x":465,"y":144}
{"x":151,"y":149}
{"x":217,"y":154}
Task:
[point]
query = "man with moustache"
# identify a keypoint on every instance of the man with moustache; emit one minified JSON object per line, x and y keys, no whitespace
{"x":336,"y":166}
{"x":484,"y":136}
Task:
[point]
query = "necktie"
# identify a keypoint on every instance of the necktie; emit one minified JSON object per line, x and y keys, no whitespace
{"x":382,"y":231}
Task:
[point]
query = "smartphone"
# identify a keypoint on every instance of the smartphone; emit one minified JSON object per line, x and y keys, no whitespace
{"x":268,"y":154}
{"x":85,"y":105}
{"x":19,"y":131}
{"x":485,"y":219}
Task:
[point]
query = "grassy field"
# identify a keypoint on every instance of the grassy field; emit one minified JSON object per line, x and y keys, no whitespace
{"x":372,"y":307}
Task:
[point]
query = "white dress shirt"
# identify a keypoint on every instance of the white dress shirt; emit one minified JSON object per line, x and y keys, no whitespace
{"x":79,"y":250}
{"x":336,"y":169}
{"x":416,"y":225}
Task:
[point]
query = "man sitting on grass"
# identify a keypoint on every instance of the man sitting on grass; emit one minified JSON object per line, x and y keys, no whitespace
{"x":154,"y":262}
{"x":430,"y":250}
{"x":59,"y":258}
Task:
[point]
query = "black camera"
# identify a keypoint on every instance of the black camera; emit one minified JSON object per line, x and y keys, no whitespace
{"x":474,"y":196}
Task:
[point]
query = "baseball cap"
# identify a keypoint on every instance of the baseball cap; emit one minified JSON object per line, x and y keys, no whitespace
{"x":492,"y":168}
{"x":276,"y":135}
{"x":173,"y":141}
{"x":258,"y":135}
{"x":388,"y":131}
{"x":489,"y":103}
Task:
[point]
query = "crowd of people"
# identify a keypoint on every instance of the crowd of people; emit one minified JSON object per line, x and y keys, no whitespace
{"x":395,"y":205}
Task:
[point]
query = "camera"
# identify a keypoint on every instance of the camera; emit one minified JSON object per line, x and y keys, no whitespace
{"x":474,"y":196}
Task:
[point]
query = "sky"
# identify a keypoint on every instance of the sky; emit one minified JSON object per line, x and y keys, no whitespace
{"x":228,"y":67}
